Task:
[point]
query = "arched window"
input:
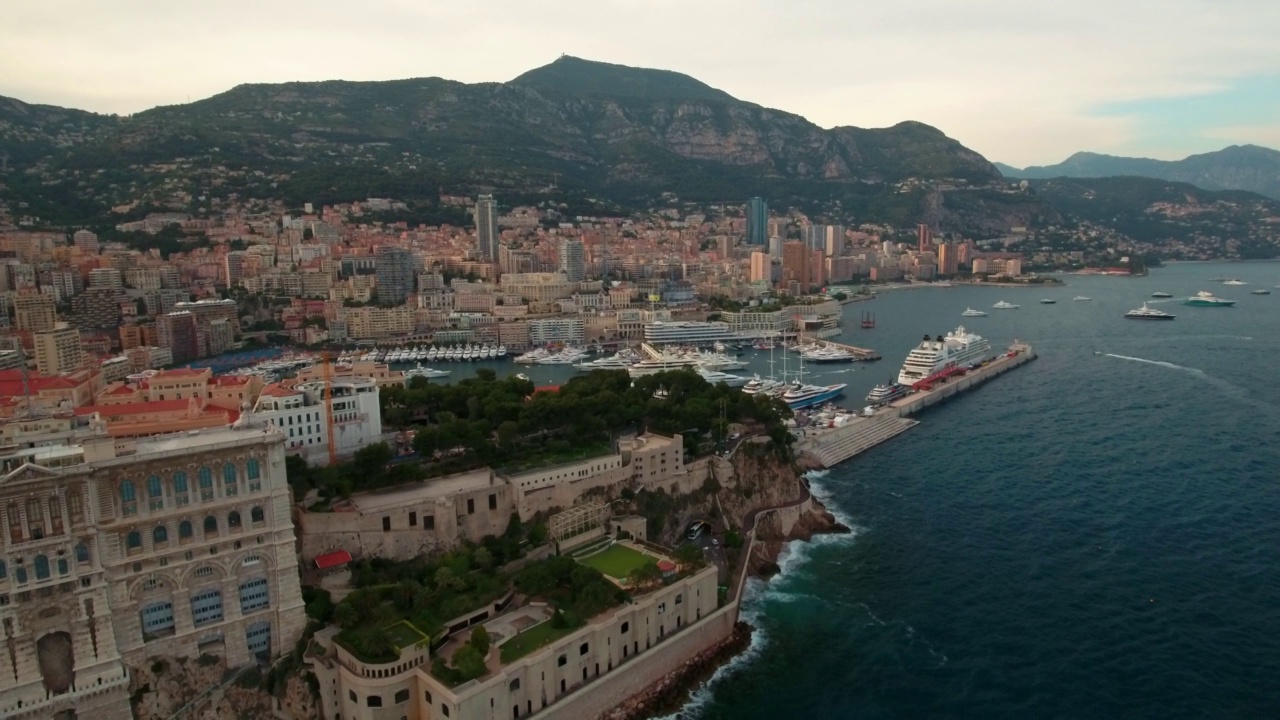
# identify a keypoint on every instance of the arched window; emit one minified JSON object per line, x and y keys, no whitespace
{"x":20,"y":574}
{"x":15,"y":522}
{"x":82,"y":552}
{"x":179,"y":482}
{"x":229,"y":479}
{"x":233,"y":519}
{"x":211,"y":525}
{"x":133,"y":540}
{"x":515,"y":685}
{"x":251,"y":469}
{"x":42,"y":567}
{"x":55,"y":515}
{"x":184,"y":530}
{"x":153,"y":486}
{"x":256,"y":514}
{"x":160,"y":534}
{"x":127,"y":493}
{"x":205,"y":476}
{"x":62,"y":566}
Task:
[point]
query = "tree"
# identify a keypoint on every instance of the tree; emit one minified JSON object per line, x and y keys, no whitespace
{"x":690,"y":555}
{"x":447,"y":581}
{"x":469,"y":662}
{"x":645,"y":575}
{"x":480,"y":640}
{"x":482,"y":558}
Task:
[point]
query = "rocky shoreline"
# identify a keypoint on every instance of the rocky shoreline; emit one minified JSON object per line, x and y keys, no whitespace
{"x":671,"y":692}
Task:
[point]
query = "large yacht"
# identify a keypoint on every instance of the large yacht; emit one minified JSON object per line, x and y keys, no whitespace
{"x":1233,"y":281}
{"x":1148,"y":313}
{"x":1207,"y":299}
{"x":1002,"y":305}
{"x":959,"y":348}
{"x":1161,"y":295}
{"x":970,"y":312}
{"x":826,"y":354}
{"x":887,"y":392}
{"x":1082,"y":298}
{"x":715,"y":377}
{"x":425,"y":372}
{"x":623,"y":360}
{"x":800,"y":395}
{"x":763,"y":386}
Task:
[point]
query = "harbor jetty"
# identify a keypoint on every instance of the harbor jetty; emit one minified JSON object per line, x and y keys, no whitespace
{"x":859,"y":353}
{"x":850,"y":435}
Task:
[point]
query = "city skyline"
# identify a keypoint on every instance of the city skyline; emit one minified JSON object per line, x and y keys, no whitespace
{"x":1162,"y":85}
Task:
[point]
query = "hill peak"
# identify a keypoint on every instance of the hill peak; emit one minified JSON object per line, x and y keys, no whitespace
{"x":576,"y":76}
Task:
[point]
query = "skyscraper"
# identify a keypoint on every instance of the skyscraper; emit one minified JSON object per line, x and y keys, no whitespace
{"x":573,"y":261}
{"x":394,"y":267}
{"x":796,"y":258}
{"x":924,"y":238}
{"x":486,"y":228}
{"x":948,"y":259}
{"x":757,"y":221}
{"x":761,"y":267}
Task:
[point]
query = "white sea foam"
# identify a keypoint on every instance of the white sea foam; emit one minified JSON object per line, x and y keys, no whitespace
{"x":758,"y":594}
{"x":1161,"y":363}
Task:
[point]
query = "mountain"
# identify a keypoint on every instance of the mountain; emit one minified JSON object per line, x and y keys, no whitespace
{"x":617,"y":134}
{"x":1238,"y":167}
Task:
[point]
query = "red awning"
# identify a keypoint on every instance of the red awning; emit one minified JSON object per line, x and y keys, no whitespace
{"x":333,"y":559}
{"x":666,"y":566}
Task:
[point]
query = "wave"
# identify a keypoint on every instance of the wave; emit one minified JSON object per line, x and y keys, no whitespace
{"x":759,"y":593}
{"x":1161,"y":363}
{"x":1234,"y":390}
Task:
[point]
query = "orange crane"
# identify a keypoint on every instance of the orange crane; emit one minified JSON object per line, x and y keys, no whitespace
{"x":328,"y":409}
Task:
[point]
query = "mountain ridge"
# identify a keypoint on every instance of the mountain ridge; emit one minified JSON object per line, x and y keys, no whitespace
{"x":1236,"y":167}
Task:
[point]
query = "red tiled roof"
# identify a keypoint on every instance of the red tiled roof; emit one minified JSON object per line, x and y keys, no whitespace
{"x":333,"y":559}
{"x":230,"y":379}
{"x":180,"y":372}
{"x":134,"y":408}
{"x":278,"y":390}
{"x":123,"y":390}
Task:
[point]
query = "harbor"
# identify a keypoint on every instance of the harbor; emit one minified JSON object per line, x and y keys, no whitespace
{"x":828,"y":442}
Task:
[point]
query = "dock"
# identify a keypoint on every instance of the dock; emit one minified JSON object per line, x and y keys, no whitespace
{"x":859,"y":353}
{"x":831,"y":446}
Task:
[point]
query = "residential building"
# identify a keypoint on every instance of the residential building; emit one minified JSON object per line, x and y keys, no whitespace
{"x":86,"y":241}
{"x":948,"y":259}
{"x":233,"y":268}
{"x":35,"y":311}
{"x":58,"y":350}
{"x":487,"y":228}
{"x":556,"y":331}
{"x":924,"y":238}
{"x":300,"y":412}
{"x":573,"y":262}
{"x":757,"y":222}
{"x":178,"y":332}
{"x":395,"y":275}
{"x":761,"y":267}
{"x":796,"y":259}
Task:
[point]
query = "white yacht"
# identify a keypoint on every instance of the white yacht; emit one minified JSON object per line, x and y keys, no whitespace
{"x":1002,"y":305}
{"x":715,"y":377}
{"x":959,"y":348}
{"x":502,"y":351}
{"x":1148,"y":313}
{"x":1233,"y":281}
{"x":826,"y":354}
{"x":624,"y":359}
{"x":533,"y":356}
{"x":1081,"y":298}
{"x":970,"y":312}
{"x":762,"y":386}
{"x":425,"y":372}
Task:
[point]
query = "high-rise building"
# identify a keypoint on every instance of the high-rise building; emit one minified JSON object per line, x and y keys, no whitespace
{"x":761,"y":267}
{"x":177,"y":331}
{"x":924,"y":238}
{"x":58,"y":350}
{"x":757,"y":221}
{"x":817,"y":268}
{"x":573,"y":261}
{"x":796,"y":259}
{"x":35,"y":311}
{"x":395,"y":275}
{"x":233,"y":268}
{"x":948,"y":259}
{"x":487,"y":228}
{"x":105,"y":278}
{"x":86,"y":241}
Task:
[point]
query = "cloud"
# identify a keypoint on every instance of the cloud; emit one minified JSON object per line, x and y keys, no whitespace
{"x":1024,"y":82}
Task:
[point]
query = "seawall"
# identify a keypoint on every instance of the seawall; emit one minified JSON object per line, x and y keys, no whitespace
{"x":826,"y":447}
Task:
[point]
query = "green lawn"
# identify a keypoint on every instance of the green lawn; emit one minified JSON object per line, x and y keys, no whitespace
{"x":404,"y":634}
{"x":531,"y":639}
{"x":618,"y":561}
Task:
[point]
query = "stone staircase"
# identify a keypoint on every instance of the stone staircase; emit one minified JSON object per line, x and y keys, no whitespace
{"x":839,"y":444}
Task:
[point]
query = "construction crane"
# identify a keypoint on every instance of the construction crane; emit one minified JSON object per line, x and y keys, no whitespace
{"x":328,"y":408}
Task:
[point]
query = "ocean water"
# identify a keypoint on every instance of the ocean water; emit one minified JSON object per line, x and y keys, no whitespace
{"x":1089,"y":536}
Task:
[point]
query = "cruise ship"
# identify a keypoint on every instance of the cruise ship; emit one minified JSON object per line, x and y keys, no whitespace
{"x":686,"y":333}
{"x":800,"y":396}
{"x":959,"y":348}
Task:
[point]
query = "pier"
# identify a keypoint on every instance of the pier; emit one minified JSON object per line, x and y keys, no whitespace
{"x":859,"y":353}
{"x":833,"y":445}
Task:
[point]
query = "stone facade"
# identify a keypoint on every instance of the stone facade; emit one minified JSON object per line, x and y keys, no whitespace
{"x":118,"y":550}
{"x":582,"y":675}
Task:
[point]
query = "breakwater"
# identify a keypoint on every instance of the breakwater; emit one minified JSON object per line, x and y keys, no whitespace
{"x":829,"y":446}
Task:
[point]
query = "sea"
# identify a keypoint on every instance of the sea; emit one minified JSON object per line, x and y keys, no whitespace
{"x":1093,"y":535}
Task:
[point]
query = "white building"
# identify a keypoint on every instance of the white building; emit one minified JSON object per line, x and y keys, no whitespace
{"x":299,"y":412}
{"x":556,"y":331}
{"x":660,"y":333}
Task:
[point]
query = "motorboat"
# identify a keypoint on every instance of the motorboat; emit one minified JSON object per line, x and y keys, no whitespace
{"x":1081,"y":298}
{"x":716,"y":377}
{"x":425,"y":372}
{"x":1147,"y":312}
{"x":1234,"y":281}
{"x":1161,"y":295}
{"x":1048,"y":301}
{"x":1002,"y":305}
{"x":1260,"y":291}
{"x":970,"y":312}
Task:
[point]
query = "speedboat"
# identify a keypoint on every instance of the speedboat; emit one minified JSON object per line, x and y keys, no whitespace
{"x":1082,"y":298}
{"x":1233,"y":281}
{"x":1161,"y":295}
{"x":1148,"y":313}
{"x":1260,"y":291}
{"x":1047,"y":301}
{"x":1207,"y":299}
{"x":1002,"y":305}
{"x":970,"y":312}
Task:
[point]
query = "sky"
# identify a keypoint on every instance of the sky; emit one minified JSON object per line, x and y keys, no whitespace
{"x":1026,"y":82}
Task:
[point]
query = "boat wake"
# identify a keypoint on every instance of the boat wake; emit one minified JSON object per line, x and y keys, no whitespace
{"x":759,"y":594}
{"x":1161,"y":363}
